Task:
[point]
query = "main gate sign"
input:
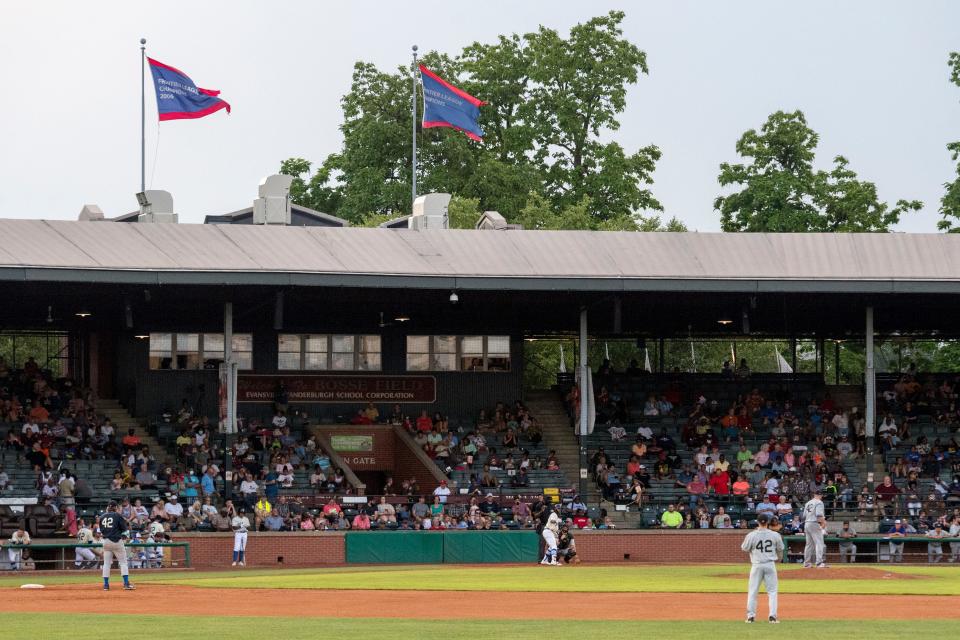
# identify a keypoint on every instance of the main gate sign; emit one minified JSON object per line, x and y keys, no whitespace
{"x":338,"y":389}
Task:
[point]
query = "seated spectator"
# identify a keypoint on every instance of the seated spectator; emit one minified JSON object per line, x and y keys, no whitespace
{"x":273,"y":521}
{"x":767,"y":507}
{"x":386,"y":512}
{"x":671,"y":518}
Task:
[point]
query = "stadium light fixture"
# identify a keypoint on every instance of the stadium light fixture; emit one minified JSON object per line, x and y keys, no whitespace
{"x":454,"y":298}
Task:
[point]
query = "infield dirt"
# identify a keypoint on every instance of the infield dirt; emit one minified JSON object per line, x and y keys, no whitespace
{"x":187,"y":601}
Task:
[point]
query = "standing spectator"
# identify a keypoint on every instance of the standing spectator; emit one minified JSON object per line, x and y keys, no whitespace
{"x":442,"y":491}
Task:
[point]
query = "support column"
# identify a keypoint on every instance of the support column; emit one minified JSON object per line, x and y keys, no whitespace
{"x":230,"y":427}
{"x":584,"y":395}
{"x":836,"y":362}
{"x":661,"y":356}
{"x":793,"y":354}
{"x":870,"y":391}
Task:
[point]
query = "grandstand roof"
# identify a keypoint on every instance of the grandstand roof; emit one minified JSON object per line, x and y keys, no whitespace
{"x":91,"y":251}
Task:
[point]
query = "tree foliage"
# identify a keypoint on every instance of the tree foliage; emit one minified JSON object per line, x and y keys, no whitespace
{"x":782,"y":191}
{"x":552,"y":101}
{"x":950,"y":202}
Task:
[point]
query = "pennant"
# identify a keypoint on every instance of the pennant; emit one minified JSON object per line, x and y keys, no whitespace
{"x":444,"y":105}
{"x":178,"y":98}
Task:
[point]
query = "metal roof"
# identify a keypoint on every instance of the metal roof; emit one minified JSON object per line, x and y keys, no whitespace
{"x":60,"y":251}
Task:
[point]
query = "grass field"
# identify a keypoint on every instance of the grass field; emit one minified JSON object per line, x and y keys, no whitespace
{"x":93,"y":627}
{"x":498,"y":583}
{"x":943,"y":580}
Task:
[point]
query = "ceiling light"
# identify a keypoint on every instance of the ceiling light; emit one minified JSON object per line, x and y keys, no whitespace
{"x":725,"y":321}
{"x":141,"y":336}
{"x":83,"y":314}
{"x":402,"y":318}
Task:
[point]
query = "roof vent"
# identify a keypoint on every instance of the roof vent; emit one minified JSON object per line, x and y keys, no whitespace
{"x":156,"y":206}
{"x":430,"y":212}
{"x":90,"y":212}
{"x":273,"y":205}
{"x":493,"y":221}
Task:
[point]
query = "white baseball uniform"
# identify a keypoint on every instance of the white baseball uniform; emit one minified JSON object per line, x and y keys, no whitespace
{"x":84,"y":554}
{"x":240,"y":524}
{"x":814,"y":552}
{"x":765,"y":548}
{"x":550,"y":532}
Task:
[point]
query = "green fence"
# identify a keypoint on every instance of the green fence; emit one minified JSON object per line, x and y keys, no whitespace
{"x":435,"y":547}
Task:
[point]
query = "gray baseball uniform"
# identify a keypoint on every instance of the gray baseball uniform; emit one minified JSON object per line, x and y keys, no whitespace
{"x":815,"y":550}
{"x":765,"y":548}
{"x":848,"y":548}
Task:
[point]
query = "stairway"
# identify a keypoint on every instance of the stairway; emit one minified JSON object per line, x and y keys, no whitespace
{"x":847,"y":396}
{"x":558,"y":434}
{"x":123,"y":422}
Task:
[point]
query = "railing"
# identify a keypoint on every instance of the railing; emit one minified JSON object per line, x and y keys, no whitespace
{"x":881,"y":549}
{"x":55,"y":555}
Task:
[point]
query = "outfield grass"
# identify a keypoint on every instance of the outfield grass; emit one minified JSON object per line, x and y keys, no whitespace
{"x":628,"y":579}
{"x":96,"y":627}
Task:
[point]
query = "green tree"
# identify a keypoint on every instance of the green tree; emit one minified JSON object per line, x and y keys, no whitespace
{"x":950,"y":202}
{"x":550,"y":99}
{"x":781,"y":191}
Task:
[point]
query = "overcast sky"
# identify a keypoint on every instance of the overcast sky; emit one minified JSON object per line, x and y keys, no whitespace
{"x":871,"y":77}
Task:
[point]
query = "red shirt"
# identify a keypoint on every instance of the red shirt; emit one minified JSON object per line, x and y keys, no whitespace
{"x":361,"y":419}
{"x":425,"y":424}
{"x":581,"y":522}
{"x":886,"y":492}
{"x":720,"y":483}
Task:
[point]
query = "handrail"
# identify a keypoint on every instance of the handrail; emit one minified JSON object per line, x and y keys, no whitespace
{"x":419,"y":453}
{"x":337,"y":460}
{"x":95,"y":545}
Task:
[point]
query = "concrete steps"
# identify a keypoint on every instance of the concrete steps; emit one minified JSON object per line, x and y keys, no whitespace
{"x":547,"y":408}
{"x":123,"y":422}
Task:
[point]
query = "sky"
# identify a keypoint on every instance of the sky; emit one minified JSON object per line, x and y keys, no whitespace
{"x":871,"y":77}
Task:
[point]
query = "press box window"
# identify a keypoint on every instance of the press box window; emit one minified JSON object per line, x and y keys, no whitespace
{"x":186,"y":351}
{"x":458,"y":353}
{"x":323,"y":352}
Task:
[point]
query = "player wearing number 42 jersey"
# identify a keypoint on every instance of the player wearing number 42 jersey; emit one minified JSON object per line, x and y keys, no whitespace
{"x":765,"y":548}
{"x":115,"y":531}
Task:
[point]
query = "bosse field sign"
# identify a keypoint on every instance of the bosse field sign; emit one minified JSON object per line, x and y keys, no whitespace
{"x":335,"y":388}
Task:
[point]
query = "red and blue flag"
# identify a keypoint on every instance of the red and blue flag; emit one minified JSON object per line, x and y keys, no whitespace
{"x":444,"y":105}
{"x":178,"y":98}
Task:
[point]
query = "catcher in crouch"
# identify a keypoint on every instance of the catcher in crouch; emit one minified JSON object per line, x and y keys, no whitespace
{"x":567,"y":546}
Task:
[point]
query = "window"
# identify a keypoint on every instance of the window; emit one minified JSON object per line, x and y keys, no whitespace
{"x":197,"y":350}
{"x":188,"y":350}
{"x":498,"y":353}
{"x":318,"y":352}
{"x":458,"y":353}
{"x":471,"y":353}
{"x":161,"y":351}
{"x":314,"y":353}
{"x":418,"y":353}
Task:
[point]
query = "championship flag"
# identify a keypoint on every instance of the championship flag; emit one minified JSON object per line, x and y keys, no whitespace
{"x":444,"y":105}
{"x":178,"y":98}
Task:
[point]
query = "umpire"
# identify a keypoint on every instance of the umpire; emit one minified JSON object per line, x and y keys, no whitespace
{"x":115,"y":530}
{"x":814,"y":525}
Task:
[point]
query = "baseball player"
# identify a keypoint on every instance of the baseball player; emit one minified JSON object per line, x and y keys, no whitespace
{"x":814,"y":524}
{"x":954,"y":532}
{"x":550,"y":532}
{"x":115,"y":530}
{"x":848,"y":548}
{"x":765,"y":548}
{"x":567,"y":546}
{"x":84,"y":557}
{"x":240,"y":523}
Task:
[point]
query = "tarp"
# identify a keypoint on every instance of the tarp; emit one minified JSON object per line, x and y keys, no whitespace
{"x":435,"y":547}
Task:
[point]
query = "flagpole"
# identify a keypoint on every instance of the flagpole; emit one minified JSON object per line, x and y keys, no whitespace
{"x":143,"y":116}
{"x":413,"y":105}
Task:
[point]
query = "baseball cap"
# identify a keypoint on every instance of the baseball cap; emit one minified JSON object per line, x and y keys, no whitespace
{"x":896,"y":522}
{"x":489,"y":495}
{"x":173,"y":497}
{"x":763,"y":519}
